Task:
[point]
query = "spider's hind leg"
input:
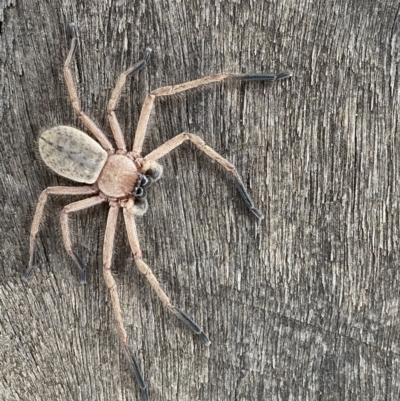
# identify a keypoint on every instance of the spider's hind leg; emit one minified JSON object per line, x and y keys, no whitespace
{"x":83,"y":190}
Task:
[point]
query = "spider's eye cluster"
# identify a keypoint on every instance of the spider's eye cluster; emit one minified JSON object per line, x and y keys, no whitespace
{"x":142,"y":183}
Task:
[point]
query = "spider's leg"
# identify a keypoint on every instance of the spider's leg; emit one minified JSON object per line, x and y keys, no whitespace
{"x":84,"y":190}
{"x":73,"y":94}
{"x":74,"y":207}
{"x":112,"y":286}
{"x":129,"y":212}
{"x":185,"y":136}
{"x":112,"y":104}
{"x":172,"y":90}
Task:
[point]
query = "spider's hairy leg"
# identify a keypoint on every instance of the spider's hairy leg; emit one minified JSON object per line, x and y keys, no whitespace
{"x":73,"y":94}
{"x":129,"y":211}
{"x":112,"y":286}
{"x":112,"y":104}
{"x":74,"y":207}
{"x":83,"y":190}
{"x":185,"y":136}
{"x":172,"y":90}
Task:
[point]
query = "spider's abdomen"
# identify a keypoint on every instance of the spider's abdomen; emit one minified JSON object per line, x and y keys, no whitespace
{"x":119,"y":176}
{"x":72,"y":154}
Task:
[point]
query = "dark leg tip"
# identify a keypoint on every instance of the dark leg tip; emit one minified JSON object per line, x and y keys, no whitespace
{"x":28,"y":273}
{"x":145,"y":394}
{"x":284,"y":74}
{"x":205,"y":340}
{"x":72,"y":29}
{"x":194,"y":327}
{"x":264,"y":77}
{"x":257,"y":77}
{"x":246,"y":197}
{"x":147,"y":53}
{"x":257,"y":213}
{"x":136,"y":68}
{"x":137,"y":373}
{"x":83,"y":279}
{"x":32,"y":264}
{"x":82,"y":268}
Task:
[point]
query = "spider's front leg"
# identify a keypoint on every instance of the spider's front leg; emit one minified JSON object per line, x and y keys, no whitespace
{"x":185,"y":136}
{"x":172,"y":90}
{"x":112,"y":286}
{"x":129,"y":216}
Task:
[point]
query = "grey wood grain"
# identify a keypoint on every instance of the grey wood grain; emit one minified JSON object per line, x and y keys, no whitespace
{"x":305,"y":304}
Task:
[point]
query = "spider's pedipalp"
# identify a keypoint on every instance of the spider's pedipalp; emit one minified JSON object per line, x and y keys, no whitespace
{"x":140,"y":207}
{"x":151,"y":169}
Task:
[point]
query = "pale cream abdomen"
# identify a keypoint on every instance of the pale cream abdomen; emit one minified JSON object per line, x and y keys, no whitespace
{"x":72,"y":154}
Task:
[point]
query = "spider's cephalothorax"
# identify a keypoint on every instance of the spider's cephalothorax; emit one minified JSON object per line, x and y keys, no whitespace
{"x":120,"y":177}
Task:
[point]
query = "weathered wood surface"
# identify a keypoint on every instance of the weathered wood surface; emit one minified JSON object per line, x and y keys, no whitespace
{"x":304,"y":305}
